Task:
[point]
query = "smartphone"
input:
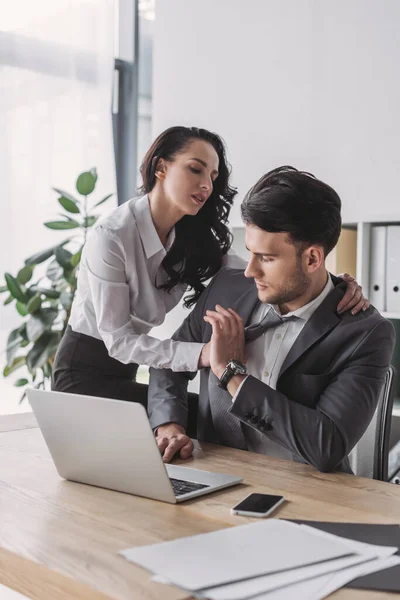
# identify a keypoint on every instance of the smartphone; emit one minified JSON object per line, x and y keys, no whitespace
{"x":258,"y":505}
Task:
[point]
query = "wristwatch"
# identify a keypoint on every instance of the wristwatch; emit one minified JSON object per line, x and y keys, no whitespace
{"x":234,"y":367}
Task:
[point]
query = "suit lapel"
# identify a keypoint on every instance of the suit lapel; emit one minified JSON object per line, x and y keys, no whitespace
{"x":247,"y":303}
{"x":320,"y":323}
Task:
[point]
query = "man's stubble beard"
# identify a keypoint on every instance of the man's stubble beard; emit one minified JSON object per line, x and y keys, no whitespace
{"x":295,"y":287}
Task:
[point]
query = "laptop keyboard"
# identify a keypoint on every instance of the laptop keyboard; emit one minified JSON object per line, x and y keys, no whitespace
{"x":181,"y":487}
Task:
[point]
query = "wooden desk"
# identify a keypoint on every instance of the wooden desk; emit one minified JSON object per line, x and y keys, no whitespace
{"x":60,"y":539}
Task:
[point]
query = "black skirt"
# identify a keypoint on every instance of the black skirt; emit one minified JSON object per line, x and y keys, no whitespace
{"x":83,"y":366}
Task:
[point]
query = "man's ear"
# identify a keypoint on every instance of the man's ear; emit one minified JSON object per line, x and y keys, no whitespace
{"x":314,"y":257}
{"x":161,"y":169}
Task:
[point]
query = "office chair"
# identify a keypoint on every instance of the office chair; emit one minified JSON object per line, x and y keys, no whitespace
{"x":369,"y":458}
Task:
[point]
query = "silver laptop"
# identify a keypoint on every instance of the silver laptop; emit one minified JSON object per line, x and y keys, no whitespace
{"x":110,"y":444}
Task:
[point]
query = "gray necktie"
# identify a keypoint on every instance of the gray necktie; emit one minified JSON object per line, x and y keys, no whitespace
{"x":228,"y":428}
{"x":271,"y":319}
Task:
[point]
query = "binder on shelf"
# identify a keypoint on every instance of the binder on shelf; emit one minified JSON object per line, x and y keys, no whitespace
{"x":377,"y":275}
{"x":346,"y":252}
{"x":393,"y":269}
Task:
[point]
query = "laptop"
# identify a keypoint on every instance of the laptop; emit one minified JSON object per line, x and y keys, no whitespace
{"x":110,"y":444}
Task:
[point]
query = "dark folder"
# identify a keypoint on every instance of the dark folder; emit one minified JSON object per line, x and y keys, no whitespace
{"x":387,"y":580}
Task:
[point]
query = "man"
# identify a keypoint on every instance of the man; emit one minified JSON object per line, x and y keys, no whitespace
{"x":313,"y":377}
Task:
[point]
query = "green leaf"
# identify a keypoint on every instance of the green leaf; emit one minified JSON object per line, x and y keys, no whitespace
{"x":62,"y":224}
{"x":76,"y":258}
{"x":35,"y":328}
{"x":21,"y":382}
{"x":13,"y":344}
{"x":66,"y":195}
{"x":21,"y":308}
{"x":8,"y":300}
{"x":86,"y":183}
{"x":18,"y":362}
{"x":69,"y":205}
{"x":66,"y":299}
{"x":54,"y":271}
{"x":104,"y":200}
{"x":69,"y":275}
{"x":47,"y":370}
{"x":34,"y":304}
{"x":90,"y":221}
{"x":47,"y":292}
{"x":14,"y":288}
{"x":40,"y":257}
{"x":48,"y":315}
{"x":63,"y":257}
{"x":40,"y":322}
{"x":25,"y":274}
{"x":43,"y":349}
{"x":22,"y":331}
{"x":3,"y":288}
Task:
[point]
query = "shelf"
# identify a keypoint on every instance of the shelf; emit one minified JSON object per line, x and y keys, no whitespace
{"x":374,"y":219}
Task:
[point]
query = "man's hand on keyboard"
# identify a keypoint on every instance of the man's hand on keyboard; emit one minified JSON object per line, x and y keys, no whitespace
{"x":171,"y":439}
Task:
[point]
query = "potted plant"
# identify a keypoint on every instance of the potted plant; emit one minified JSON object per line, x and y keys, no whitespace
{"x":43,"y":289}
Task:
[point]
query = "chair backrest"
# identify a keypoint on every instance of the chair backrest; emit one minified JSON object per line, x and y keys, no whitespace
{"x":369,"y":458}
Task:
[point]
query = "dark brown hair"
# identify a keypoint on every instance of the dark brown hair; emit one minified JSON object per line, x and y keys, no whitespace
{"x":297,"y":203}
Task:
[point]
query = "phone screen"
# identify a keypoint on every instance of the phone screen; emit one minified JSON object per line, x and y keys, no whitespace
{"x":260,"y":503}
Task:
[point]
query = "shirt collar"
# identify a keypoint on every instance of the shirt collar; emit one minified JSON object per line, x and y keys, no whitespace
{"x":147,"y":231}
{"x":305,"y":312}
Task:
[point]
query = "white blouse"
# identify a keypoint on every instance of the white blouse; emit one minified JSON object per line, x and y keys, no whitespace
{"x":117,"y":300}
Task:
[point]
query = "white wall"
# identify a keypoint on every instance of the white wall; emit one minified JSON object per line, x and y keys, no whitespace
{"x":312,"y":83}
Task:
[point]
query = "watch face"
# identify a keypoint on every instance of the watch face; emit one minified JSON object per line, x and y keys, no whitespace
{"x":238,"y":367}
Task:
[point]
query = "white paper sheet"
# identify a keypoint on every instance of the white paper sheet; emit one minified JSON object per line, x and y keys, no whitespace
{"x":324,"y":585}
{"x":317,"y":588}
{"x":338,"y":580}
{"x":237,"y":553}
{"x":250,"y":587}
{"x":266,"y":583}
{"x":7,"y":593}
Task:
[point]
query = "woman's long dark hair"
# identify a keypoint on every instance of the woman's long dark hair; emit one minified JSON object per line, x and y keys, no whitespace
{"x":201,"y":240}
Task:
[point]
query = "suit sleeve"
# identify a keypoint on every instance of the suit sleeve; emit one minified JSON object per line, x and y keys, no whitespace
{"x":167,"y":396}
{"x":324,"y":435}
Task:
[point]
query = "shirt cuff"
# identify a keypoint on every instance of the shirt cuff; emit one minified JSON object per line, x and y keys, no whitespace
{"x":187,"y":357}
{"x":238,"y":390}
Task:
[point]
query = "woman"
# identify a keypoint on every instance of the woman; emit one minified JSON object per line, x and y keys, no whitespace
{"x":140,"y":260}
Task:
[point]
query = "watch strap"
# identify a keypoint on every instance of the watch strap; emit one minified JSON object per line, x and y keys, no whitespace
{"x":234,"y":367}
{"x":226,"y":377}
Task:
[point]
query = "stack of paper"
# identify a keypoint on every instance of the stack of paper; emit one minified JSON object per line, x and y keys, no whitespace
{"x":270,"y":559}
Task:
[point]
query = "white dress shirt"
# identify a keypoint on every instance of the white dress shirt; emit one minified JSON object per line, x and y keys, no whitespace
{"x":117,"y":300}
{"x":267,"y":353}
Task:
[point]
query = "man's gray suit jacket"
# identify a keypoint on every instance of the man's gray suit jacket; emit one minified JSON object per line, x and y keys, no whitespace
{"x":328,"y":386}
